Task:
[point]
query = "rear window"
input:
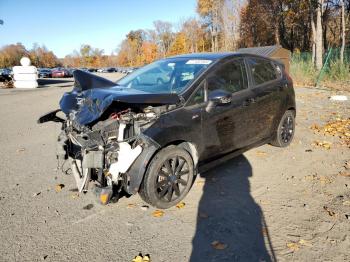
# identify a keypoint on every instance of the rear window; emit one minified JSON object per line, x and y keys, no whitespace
{"x":262,"y":70}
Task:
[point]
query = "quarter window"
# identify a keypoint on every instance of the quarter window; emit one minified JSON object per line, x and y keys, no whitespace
{"x":262,"y":70}
{"x":198,"y":97}
{"x":231,"y":77}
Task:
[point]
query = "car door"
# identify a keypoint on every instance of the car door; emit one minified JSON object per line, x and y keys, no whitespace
{"x":267,"y":87}
{"x":225,"y":126}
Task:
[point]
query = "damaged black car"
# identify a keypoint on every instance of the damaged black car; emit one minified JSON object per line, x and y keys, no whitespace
{"x":155,"y":129}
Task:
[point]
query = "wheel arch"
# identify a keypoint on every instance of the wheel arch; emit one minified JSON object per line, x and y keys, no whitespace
{"x":137,"y":171}
{"x":292,"y":108}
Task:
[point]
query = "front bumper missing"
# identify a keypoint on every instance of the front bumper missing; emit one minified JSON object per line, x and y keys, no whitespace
{"x":126,"y":172}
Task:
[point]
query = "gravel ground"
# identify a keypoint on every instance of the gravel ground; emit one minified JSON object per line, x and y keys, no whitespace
{"x":281,"y":204}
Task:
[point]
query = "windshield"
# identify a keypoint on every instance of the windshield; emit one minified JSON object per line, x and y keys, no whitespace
{"x":171,"y":75}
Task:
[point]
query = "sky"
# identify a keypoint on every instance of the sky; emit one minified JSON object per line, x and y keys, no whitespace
{"x":63,"y":25}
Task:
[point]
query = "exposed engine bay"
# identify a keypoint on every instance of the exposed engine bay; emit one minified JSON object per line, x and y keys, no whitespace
{"x":105,"y":151}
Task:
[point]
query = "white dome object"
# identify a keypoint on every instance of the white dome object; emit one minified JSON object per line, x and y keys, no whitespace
{"x":24,"y":70}
{"x":25,"y":61}
{"x":25,"y":84}
{"x":25,"y":76}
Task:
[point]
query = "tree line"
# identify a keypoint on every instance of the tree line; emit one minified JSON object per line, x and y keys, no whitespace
{"x":222,"y":25}
{"x":226,"y":25}
{"x":40,"y":56}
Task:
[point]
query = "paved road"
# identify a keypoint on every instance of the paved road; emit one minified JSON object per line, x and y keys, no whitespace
{"x":268,"y":202}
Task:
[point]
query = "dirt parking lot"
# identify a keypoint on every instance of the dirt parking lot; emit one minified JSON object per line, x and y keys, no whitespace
{"x":289,"y":204}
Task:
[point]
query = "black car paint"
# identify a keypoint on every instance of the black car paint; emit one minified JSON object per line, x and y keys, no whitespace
{"x":223,"y":132}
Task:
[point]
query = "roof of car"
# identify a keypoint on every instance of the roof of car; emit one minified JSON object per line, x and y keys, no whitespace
{"x":211,"y":56}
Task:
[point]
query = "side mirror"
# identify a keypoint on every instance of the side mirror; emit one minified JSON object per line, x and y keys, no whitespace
{"x":218,"y":97}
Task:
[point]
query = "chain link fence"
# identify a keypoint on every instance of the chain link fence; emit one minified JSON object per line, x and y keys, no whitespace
{"x":334,"y":74}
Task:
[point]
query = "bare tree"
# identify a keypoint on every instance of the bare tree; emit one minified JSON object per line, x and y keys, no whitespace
{"x":342,"y":4}
{"x":230,"y":19}
{"x":319,"y":36}
{"x":313,"y":33}
{"x":165,"y":35}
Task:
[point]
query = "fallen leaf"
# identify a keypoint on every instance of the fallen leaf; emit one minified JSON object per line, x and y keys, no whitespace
{"x":325,"y":180}
{"x":131,"y":205}
{"x":158,"y":213}
{"x":293,"y":246}
{"x":19,"y":150}
{"x":180,"y":205}
{"x":310,"y":177}
{"x":339,"y":128}
{"x":59,"y":187}
{"x":346,"y":203}
{"x":305,"y":243}
{"x":346,"y":174}
{"x":324,"y":144}
{"x":137,"y":259}
{"x":261,"y":153}
{"x":330,"y":212}
{"x":144,"y":207}
{"x":347,"y":165}
{"x":36,"y":194}
{"x":141,"y":258}
{"x":74,"y":195}
{"x":218,"y":245}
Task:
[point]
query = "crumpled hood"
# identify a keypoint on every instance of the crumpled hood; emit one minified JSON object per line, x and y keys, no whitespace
{"x":92,"y":95}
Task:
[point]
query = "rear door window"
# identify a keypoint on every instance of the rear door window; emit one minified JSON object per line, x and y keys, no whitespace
{"x":230,"y":76}
{"x":262,"y":70}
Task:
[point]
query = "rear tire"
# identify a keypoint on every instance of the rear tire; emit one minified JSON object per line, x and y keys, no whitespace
{"x":168,"y":178}
{"x":285,"y":131}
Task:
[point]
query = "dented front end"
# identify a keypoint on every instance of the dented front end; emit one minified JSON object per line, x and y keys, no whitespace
{"x":105,"y":152}
{"x":102,"y":133}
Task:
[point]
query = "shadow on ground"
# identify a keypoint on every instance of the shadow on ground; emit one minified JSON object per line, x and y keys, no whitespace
{"x":44,"y":82}
{"x":228,"y":213}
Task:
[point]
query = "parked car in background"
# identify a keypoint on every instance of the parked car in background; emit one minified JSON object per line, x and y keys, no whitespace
{"x":44,"y":73}
{"x":85,"y":69}
{"x":111,"y":70}
{"x":60,"y":72}
{"x":129,"y":70}
{"x":153,"y":137}
{"x":71,"y":70}
{"x":92,"y":70}
{"x":6,"y":74}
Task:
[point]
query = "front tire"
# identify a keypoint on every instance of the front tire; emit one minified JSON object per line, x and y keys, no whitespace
{"x":285,"y":131}
{"x":168,"y":178}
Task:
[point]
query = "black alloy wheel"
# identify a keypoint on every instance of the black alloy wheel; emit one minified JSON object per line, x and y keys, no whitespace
{"x":168,"y":178}
{"x":285,"y":131}
{"x":172,"y":178}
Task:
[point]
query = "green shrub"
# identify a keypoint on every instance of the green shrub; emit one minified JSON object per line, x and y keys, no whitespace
{"x":337,"y":71}
{"x":304,"y":72}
